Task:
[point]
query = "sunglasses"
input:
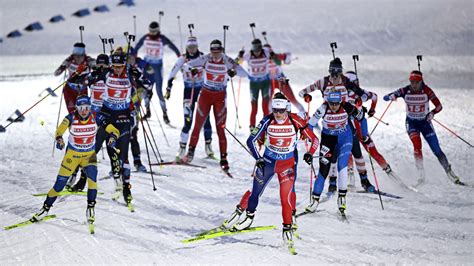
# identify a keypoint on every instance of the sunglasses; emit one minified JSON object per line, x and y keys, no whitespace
{"x":279,"y":111}
{"x":334,"y":104}
{"x":83,"y":107}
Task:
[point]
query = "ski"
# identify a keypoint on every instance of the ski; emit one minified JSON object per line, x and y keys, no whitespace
{"x":28,"y":222}
{"x":291,"y":247}
{"x":179,"y":163}
{"x":212,"y":231}
{"x":385,"y":194}
{"x":228,"y":173}
{"x":227,"y":233}
{"x":91,"y":228}
{"x":212,"y":157}
{"x":65,"y":192}
{"x":399,"y":181}
{"x":342,"y":215}
{"x":305,"y":212}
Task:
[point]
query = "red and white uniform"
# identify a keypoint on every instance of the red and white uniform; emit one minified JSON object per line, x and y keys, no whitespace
{"x":117,"y":95}
{"x":153,"y":49}
{"x":82,"y":133}
{"x":97,"y":95}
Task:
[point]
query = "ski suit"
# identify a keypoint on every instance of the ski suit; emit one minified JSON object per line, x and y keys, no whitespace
{"x":336,"y":142}
{"x":417,"y":109}
{"x":73,"y":86}
{"x":213,"y":94}
{"x":280,"y":157}
{"x":154,"y":46}
{"x":80,"y":152}
{"x":192,"y":88}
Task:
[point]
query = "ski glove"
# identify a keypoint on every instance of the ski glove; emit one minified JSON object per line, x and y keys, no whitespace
{"x":60,"y":143}
{"x":193,"y":71}
{"x":167,"y":94}
{"x":231,"y":72}
{"x":389,"y":97}
{"x":112,"y":141}
{"x":308,"y":158}
{"x":170,"y":84}
{"x":241,"y":53}
{"x":260,"y":163}
{"x":307,"y":98}
{"x":429,"y":116}
{"x":371,"y":112}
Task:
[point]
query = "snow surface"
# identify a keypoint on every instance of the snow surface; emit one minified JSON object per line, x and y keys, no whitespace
{"x":434,"y":226}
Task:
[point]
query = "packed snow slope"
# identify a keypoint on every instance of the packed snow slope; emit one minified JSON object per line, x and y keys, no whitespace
{"x":433,"y":226}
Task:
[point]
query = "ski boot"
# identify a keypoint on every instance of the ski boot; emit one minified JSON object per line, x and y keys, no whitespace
{"x":287,"y":235}
{"x":127,"y":196}
{"x":147,"y":114}
{"x":313,"y":204}
{"x":251,"y":129}
{"x":208,"y":148}
{"x":189,"y":157}
{"x":388,"y":169}
{"x":332,"y":184}
{"x":79,"y":186}
{"x":246,"y":223}
{"x":341,"y":202}
{"x":181,"y":152}
{"x":90,"y":215}
{"x":118,"y":186}
{"x":366,"y":185}
{"x":166,"y":118}
{"x":139,"y":166}
{"x":40,"y":214}
{"x":234,"y":217}
{"x":453,"y":176}
{"x":71,"y":181}
{"x":224,"y":163}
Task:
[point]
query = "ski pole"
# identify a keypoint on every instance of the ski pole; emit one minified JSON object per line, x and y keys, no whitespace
{"x":419,"y":58}
{"x":149,"y":140}
{"x":226,"y":28}
{"x":375,"y":178}
{"x":104,"y":42}
{"x":245,"y":148}
{"x":160,"y":14}
{"x":264,"y":34}
{"x":22,"y":114}
{"x":356,"y":58}
{"x":111,"y":42}
{"x":159,"y":122}
{"x":252,"y":26}
{"x":81,"y":29}
{"x":235,"y":103}
{"x":333,"y":46}
{"x":238,"y":101}
{"x":191,"y":27}
{"x":180,"y":34}
{"x":191,"y":103}
{"x":152,"y":136}
{"x":452,"y":132}
{"x":381,"y":121}
{"x":147,"y":151}
{"x":390,"y":103}
{"x":134,"y":26}
{"x":57,"y":120}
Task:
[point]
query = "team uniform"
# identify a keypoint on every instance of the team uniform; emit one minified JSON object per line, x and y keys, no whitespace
{"x":336,"y":145}
{"x":418,"y":120}
{"x":154,"y":47}
{"x":192,"y":89}
{"x":80,"y":152}
{"x":73,"y":87}
{"x":119,"y":111}
{"x":213,"y":94}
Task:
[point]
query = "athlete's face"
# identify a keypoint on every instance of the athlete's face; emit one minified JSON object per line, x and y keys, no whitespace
{"x":335,"y":78}
{"x":192,"y":49}
{"x":216,"y":54}
{"x":83,"y":110}
{"x":79,"y":58}
{"x":334,"y":106}
{"x":415,"y":85}
{"x":118,"y":69}
{"x":280,"y":114}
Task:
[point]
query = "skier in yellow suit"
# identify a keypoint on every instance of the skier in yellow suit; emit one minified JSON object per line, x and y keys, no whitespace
{"x":82,"y":125}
